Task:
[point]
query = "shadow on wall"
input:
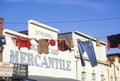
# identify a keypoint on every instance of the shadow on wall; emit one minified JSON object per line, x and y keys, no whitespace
{"x":45,"y":78}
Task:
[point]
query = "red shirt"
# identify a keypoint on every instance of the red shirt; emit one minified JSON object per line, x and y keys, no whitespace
{"x":23,"y":42}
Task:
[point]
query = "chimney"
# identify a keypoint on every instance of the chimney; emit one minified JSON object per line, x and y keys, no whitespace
{"x":1,"y":25}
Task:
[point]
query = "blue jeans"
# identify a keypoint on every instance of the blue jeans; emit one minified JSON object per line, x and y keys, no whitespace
{"x":88,"y":47}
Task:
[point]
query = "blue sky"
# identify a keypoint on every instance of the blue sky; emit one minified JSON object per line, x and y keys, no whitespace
{"x":61,"y":13}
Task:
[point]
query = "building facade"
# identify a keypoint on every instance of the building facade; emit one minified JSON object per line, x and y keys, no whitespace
{"x":52,"y":64}
{"x":88,"y":73}
{"x":114,"y":66}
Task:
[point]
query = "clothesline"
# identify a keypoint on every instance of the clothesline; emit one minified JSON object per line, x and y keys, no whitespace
{"x":101,"y":37}
{"x":16,"y":36}
{"x":105,"y":36}
{"x":98,"y":40}
{"x":38,"y":38}
{"x":33,"y":38}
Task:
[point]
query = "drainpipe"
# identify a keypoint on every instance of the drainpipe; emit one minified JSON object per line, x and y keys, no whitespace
{"x":1,"y":33}
{"x":76,"y":69}
{"x":1,"y":25}
{"x":114,"y":72}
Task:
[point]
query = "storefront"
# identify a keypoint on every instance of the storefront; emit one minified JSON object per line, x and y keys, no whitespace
{"x":55,"y":64}
{"x":38,"y":55}
{"x":6,"y":70}
{"x":87,"y":69}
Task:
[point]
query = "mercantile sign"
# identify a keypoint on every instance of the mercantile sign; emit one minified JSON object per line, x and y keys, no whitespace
{"x":22,"y":57}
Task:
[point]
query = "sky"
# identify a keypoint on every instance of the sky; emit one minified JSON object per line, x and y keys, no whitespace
{"x":97,"y":18}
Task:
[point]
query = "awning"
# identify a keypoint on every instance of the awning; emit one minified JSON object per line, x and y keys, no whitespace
{"x":44,"y":78}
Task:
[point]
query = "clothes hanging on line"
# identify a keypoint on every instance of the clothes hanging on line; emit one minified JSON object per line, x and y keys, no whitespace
{"x":52,"y":42}
{"x":98,"y":42}
{"x":63,"y":45}
{"x":23,"y":42}
{"x":87,"y":46}
{"x":2,"y":40}
{"x":43,"y":46}
{"x":113,"y":41}
{"x":72,"y":43}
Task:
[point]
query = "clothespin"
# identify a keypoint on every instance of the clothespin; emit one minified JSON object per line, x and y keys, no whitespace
{"x":98,"y":42}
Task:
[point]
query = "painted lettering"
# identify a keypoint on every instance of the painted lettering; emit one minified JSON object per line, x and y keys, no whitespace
{"x":30,"y":59}
{"x":22,"y":56}
{"x":38,"y":60}
{"x":14,"y":58}
{"x":38,"y":32}
{"x":44,"y":62}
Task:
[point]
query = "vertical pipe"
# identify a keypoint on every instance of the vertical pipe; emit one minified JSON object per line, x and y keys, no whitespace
{"x":1,"y":33}
{"x":76,"y":70}
{"x":114,"y":72}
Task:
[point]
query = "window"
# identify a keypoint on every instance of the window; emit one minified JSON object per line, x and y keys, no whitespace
{"x":83,"y":76}
{"x":93,"y":77}
{"x":102,"y":77}
{"x":111,"y":78}
{"x":116,"y":79}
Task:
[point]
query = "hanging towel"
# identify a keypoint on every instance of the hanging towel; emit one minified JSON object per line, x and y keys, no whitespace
{"x":23,"y":42}
{"x":63,"y":45}
{"x":2,"y":40}
{"x":43,"y":46}
{"x":98,"y":42}
{"x":88,"y":47}
{"x":113,"y":41}
{"x":71,"y":43}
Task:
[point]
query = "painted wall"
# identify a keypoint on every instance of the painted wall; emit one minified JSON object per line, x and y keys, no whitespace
{"x":55,"y":63}
{"x":114,"y":68}
{"x":100,"y":71}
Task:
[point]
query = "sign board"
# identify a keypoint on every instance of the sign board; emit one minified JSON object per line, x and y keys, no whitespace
{"x":20,"y":71}
{"x":6,"y":69}
{"x":54,"y":64}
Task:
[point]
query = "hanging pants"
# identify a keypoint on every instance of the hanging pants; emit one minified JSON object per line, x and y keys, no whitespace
{"x":88,"y":47}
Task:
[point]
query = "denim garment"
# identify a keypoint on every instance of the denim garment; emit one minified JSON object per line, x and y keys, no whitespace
{"x":2,"y":40}
{"x":88,"y":47}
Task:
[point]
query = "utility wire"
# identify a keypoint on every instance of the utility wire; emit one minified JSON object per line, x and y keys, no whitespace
{"x":15,"y":22}
{"x":72,"y":21}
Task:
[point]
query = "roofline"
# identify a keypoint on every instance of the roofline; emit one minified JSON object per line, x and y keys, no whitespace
{"x":88,"y":37}
{"x":113,"y":54}
{"x":42,"y":25}
{"x":83,"y":35}
{"x":65,"y":33}
{"x":13,"y":33}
